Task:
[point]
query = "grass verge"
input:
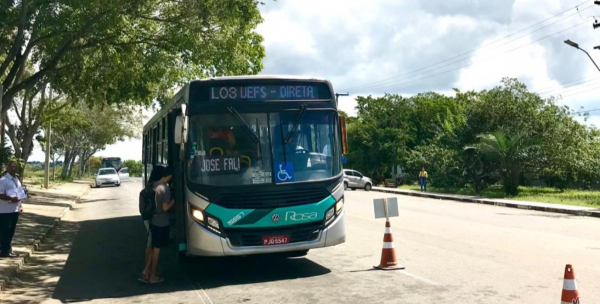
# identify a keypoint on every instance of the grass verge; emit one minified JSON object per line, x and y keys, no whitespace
{"x":532,"y":194}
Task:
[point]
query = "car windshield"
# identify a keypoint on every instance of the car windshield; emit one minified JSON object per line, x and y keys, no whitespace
{"x":226,"y":150}
{"x":107,"y":172}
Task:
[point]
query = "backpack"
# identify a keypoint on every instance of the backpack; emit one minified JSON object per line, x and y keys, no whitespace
{"x":147,"y":203}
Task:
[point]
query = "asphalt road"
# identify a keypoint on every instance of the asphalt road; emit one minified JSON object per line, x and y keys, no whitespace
{"x":453,"y":253}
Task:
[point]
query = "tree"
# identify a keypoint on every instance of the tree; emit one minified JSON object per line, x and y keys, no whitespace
{"x":31,"y":107}
{"x":124,"y":52}
{"x":95,"y":162}
{"x":511,"y":153}
{"x":83,"y":131}
{"x":505,"y":134}
{"x":135,"y":167}
{"x":377,"y":140}
{"x":7,"y":153}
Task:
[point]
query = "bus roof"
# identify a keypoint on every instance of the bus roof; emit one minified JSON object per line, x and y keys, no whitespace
{"x":179,"y":96}
{"x":255,"y":77}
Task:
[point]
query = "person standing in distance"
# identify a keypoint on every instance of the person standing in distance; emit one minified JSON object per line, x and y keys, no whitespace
{"x":423,"y":179}
{"x":10,"y":209}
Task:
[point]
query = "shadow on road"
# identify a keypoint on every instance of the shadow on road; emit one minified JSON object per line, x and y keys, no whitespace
{"x":34,"y":282}
{"x":107,"y":258}
{"x":217,"y":272}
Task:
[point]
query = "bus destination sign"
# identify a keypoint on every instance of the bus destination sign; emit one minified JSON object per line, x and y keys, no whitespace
{"x":265,"y":93}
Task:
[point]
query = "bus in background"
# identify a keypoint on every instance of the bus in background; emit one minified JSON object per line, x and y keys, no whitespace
{"x":257,"y":165}
{"x":112,"y":162}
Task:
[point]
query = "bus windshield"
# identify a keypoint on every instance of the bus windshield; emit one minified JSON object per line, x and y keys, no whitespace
{"x":223,"y":151}
{"x":304,"y":145}
{"x":111,"y":162}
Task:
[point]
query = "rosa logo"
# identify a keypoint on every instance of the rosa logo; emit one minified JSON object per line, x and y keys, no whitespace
{"x":293,"y":216}
{"x":275,"y":218}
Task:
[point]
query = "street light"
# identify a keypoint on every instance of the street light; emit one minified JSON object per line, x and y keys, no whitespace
{"x":575,"y":45}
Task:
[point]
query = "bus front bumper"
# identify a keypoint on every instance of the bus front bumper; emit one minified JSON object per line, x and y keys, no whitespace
{"x":202,"y":242}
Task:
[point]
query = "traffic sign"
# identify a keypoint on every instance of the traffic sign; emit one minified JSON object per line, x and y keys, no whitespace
{"x":386,"y":207}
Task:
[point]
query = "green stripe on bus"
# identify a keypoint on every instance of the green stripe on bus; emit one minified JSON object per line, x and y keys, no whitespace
{"x":285,"y":216}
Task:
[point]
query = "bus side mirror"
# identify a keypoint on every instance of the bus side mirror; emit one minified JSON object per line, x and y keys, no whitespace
{"x":181,"y":123}
{"x":344,"y":138}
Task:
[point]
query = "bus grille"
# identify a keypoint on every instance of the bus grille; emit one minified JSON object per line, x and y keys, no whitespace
{"x":253,"y":237}
{"x":275,"y":199}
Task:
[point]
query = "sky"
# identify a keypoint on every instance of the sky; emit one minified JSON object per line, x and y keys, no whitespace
{"x":406,"y":47}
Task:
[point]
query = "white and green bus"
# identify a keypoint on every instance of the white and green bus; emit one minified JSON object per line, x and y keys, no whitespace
{"x":257,"y":164}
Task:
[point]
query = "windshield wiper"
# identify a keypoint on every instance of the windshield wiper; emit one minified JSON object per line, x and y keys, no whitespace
{"x":282,"y":140}
{"x":296,"y":124}
{"x":248,"y":130}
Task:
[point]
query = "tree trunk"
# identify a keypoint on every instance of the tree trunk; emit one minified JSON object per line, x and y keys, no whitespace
{"x":511,"y":183}
{"x":82,"y":161}
{"x":72,"y":164}
{"x":66,"y":162}
{"x":54,"y":169}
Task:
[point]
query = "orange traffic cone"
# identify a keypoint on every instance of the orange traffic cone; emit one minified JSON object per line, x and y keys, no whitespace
{"x":570,"y":295}
{"x":388,"y":253}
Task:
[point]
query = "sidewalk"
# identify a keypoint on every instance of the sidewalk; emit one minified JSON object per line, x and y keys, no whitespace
{"x":42,"y":212}
{"x":546,"y":207}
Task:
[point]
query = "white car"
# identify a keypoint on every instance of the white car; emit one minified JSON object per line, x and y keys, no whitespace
{"x":107,"y":176}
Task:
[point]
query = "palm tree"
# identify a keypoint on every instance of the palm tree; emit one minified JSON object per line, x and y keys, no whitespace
{"x":511,"y":153}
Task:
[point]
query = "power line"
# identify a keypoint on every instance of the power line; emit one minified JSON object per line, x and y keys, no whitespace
{"x":584,"y":111}
{"x":469,"y":64}
{"x":573,"y":86}
{"x":579,"y":92}
{"x":549,"y":88}
{"x":478,"y":48}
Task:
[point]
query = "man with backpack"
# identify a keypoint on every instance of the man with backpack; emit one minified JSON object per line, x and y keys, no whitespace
{"x":155,"y":201}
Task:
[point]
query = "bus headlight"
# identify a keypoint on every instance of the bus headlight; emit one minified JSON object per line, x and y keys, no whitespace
{"x":339,"y":205}
{"x":329,"y":215}
{"x":213,"y":222}
{"x":196,"y":214}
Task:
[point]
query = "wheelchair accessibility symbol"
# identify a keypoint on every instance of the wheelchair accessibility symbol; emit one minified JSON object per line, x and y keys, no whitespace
{"x":284,"y":172}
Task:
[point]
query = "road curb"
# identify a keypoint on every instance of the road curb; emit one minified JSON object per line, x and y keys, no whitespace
{"x":492,"y":202}
{"x":33,"y":246}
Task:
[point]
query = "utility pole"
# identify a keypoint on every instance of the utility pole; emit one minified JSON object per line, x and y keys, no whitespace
{"x":48,"y":147}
